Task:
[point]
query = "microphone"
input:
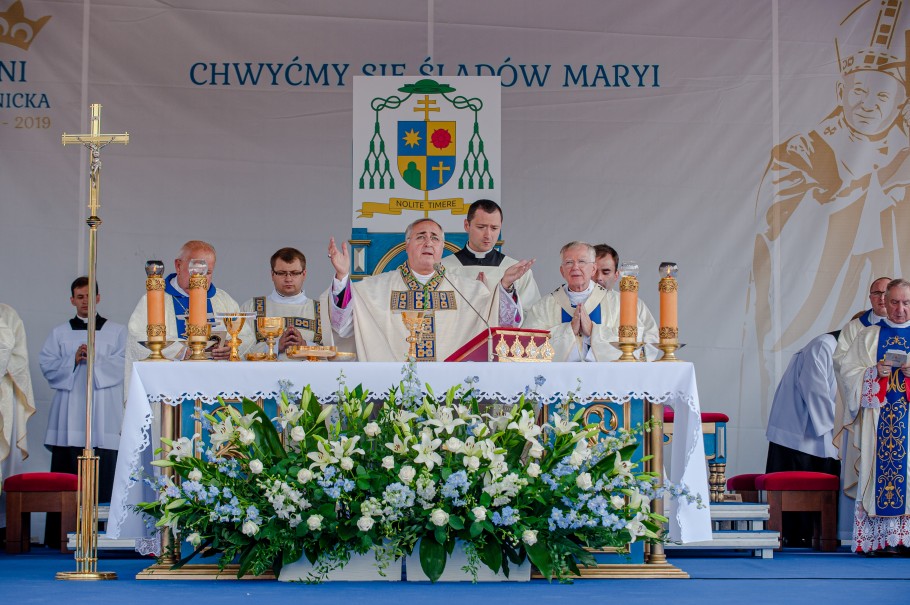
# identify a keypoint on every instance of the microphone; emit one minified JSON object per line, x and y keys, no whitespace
{"x":441,"y":270}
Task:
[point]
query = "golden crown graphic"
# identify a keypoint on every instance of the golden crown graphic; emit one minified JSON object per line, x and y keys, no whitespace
{"x":18,"y":30}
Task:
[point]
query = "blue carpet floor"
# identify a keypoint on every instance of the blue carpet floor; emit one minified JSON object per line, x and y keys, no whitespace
{"x":794,"y":576}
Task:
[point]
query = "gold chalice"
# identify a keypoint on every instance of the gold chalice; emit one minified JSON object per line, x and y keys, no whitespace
{"x":233,"y":323}
{"x":271,"y":328}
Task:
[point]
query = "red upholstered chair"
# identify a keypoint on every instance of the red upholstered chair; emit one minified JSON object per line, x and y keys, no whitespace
{"x":714,"y":431}
{"x":803,"y":491}
{"x":744,"y":485}
{"x":38,"y":493}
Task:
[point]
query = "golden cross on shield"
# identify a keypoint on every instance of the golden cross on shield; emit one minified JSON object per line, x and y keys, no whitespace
{"x":95,"y":141}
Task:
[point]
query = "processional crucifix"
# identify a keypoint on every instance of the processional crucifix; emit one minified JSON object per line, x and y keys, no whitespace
{"x":87,"y":525}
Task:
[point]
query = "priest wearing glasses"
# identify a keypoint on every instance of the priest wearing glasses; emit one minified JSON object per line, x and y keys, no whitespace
{"x":581,"y":315}
{"x":419,"y":301}
{"x":306,"y":319}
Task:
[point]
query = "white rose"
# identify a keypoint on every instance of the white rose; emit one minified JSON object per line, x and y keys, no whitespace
{"x":365,"y":523}
{"x":371,"y":429}
{"x":246,"y":436}
{"x":472,"y":463}
{"x":388,"y":462}
{"x":617,"y":501}
{"x":249,"y":528}
{"x":480,"y":513}
{"x":255,"y":466}
{"x":407,"y":474}
{"x":346,"y":463}
{"x":533,"y":470}
{"x":529,"y":537}
{"x":439,"y":517}
{"x":298,"y":434}
{"x":576,"y":459}
{"x":314,"y":522}
{"x":194,"y":538}
{"x":454,"y":444}
{"x":304,"y":475}
{"x":536,"y":450}
{"x":195,"y":475}
{"x":584,"y":481}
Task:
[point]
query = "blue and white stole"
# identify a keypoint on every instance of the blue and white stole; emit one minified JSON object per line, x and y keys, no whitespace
{"x":594,"y":315}
{"x":891,"y":434}
{"x":182,"y":303}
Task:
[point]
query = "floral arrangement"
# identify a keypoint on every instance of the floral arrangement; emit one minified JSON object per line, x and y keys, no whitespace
{"x":416,"y":472}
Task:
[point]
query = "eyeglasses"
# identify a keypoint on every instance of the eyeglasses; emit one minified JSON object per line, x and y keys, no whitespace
{"x":287,"y":273}
{"x":571,"y":263}
{"x":876,"y":294}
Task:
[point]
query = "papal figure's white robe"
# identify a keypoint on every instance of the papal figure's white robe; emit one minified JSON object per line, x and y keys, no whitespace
{"x":554,"y":313}
{"x":858,"y":369}
{"x":17,"y":403}
{"x":376,"y":305}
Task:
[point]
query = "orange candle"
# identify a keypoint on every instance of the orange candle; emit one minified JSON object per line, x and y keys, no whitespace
{"x":668,"y":295}
{"x":155,"y":300}
{"x":628,"y":301}
{"x":197,"y":291}
{"x":154,"y":292}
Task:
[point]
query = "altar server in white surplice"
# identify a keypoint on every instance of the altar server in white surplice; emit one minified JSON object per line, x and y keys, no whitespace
{"x":306,"y":319}
{"x":479,"y":258}
{"x":583,"y":317}
{"x":176,"y":304}
{"x":63,"y":363}
{"x":17,"y":403}
{"x":443,"y":311}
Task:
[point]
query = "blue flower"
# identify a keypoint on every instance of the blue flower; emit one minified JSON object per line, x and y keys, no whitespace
{"x":539,"y":380}
{"x":508,"y":516}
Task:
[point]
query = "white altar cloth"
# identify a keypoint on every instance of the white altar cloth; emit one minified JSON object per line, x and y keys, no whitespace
{"x":672,"y":384}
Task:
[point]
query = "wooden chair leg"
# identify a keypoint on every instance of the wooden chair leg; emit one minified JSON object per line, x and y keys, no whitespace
{"x":828,"y":538}
{"x":13,"y":523}
{"x":775,"y":519}
{"x":67,"y":518}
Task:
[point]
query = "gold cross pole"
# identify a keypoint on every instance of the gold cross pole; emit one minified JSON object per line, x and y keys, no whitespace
{"x":87,"y":525}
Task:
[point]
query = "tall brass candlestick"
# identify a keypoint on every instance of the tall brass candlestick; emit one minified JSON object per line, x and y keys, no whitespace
{"x":669,"y":319}
{"x":87,"y":502}
{"x":628,"y":310}
{"x":156,"y":330}
{"x":196,"y":323}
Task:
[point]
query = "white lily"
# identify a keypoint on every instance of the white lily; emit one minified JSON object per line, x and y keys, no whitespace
{"x":526,"y":425}
{"x":398,"y":446}
{"x":222,"y":432}
{"x":426,"y":451}
{"x":323,"y":457}
{"x":563,"y":426}
{"x":445,"y":421}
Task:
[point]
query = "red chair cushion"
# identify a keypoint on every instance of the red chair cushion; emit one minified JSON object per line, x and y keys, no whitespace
{"x":41,"y":482}
{"x":797,"y":481}
{"x":744,"y":482}
{"x":705,"y":416}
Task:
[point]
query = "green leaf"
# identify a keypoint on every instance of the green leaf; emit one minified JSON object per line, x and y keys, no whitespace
{"x":541,"y":559}
{"x":456,"y":522}
{"x":440,"y":534}
{"x":175,"y":503}
{"x":491,"y":555}
{"x":432,"y":558}
{"x":476,"y":529}
{"x":162,"y":463}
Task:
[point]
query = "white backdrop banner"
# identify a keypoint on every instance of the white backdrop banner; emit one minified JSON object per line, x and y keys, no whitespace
{"x":760,"y":144}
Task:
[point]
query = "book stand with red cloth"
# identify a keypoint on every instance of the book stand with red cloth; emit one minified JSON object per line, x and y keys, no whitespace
{"x":508,"y":344}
